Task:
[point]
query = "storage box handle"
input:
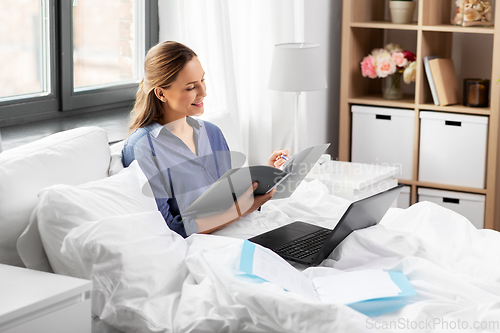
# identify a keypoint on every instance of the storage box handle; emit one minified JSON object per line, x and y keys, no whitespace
{"x":451,"y":200}
{"x":453,"y":123}
{"x":382,"y":116}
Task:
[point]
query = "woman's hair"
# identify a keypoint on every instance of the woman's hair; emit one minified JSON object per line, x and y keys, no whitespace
{"x":163,"y":63}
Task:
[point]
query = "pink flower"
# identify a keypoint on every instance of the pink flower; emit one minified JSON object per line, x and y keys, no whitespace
{"x":385,"y":66}
{"x":368,"y":67}
{"x":399,"y":59}
{"x":382,"y":62}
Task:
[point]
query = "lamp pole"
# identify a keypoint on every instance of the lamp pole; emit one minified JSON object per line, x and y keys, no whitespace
{"x":297,"y":122}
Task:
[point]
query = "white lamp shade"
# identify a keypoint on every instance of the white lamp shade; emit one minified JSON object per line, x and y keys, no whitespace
{"x":295,"y":67}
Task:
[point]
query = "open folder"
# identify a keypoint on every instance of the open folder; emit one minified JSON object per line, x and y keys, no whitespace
{"x":372,"y":292}
{"x":232,"y":184}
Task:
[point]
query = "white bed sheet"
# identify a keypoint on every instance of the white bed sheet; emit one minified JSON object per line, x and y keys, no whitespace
{"x":454,"y":268}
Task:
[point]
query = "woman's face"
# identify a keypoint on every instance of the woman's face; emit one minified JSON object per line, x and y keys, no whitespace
{"x":185,"y":95}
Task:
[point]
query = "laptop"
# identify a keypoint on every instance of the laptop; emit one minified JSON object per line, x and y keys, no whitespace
{"x":309,"y":244}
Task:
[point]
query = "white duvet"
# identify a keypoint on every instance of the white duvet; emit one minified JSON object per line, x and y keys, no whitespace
{"x":148,"y":279}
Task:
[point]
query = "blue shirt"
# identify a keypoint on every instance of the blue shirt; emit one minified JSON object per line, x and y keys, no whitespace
{"x":176,"y":175}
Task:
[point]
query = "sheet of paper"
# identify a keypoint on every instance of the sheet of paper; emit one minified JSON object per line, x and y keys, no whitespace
{"x":379,"y":306}
{"x":355,"y":286}
{"x":267,"y":265}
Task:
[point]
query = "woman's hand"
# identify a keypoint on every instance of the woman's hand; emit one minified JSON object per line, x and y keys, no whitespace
{"x":248,"y":202}
{"x":275,"y":160}
{"x":243,"y":205}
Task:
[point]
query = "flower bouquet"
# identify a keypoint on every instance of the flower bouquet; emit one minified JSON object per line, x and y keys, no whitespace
{"x":390,"y":63}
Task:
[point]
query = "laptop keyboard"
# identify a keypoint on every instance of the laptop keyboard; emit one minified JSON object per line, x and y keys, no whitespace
{"x":304,"y":246}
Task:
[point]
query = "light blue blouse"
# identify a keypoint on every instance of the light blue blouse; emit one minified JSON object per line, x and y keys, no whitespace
{"x":176,"y":175}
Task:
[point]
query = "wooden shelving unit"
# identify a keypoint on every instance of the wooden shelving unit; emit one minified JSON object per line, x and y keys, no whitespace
{"x":365,"y":26}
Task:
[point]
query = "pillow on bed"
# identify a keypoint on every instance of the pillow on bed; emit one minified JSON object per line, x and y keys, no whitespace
{"x":63,"y":207}
{"x":116,"y":165}
{"x":136,"y":264}
{"x":71,"y":157}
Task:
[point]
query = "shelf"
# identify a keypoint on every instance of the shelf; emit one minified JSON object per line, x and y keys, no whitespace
{"x":366,"y":25}
{"x":443,"y":186}
{"x":459,"y":29}
{"x":414,"y":26}
{"x":384,"y":25}
{"x":408,"y":101}
{"x":455,"y":109}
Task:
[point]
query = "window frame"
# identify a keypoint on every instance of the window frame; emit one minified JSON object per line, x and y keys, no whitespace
{"x":28,"y":106}
{"x":61,"y":98}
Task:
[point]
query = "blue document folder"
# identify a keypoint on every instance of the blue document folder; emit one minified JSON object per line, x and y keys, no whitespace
{"x":379,"y":306}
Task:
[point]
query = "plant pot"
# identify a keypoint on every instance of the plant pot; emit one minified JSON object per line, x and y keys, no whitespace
{"x":402,"y":11}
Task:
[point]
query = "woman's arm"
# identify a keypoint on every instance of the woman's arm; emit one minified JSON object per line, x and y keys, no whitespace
{"x":244,"y":205}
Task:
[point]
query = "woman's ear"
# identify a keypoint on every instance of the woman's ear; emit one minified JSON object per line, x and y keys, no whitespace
{"x":160,"y":94}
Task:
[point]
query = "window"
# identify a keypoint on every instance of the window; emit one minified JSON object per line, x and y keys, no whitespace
{"x":72,"y":54}
{"x":25,"y":51}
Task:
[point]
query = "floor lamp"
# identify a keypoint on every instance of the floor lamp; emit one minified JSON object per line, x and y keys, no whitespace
{"x":296,"y":68}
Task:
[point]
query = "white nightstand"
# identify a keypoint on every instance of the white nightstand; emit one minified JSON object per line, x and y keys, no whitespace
{"x":33,"y":301}
{"x":354,"y":181}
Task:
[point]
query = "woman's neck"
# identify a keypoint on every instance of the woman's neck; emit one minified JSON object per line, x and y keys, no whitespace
{"x":178,"y":125}
{"x":181,"y":129}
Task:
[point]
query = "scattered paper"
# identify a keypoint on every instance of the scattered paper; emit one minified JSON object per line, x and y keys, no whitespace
{"x":356,"y":286}
{"x":340,"y":288}
{"x":267,"y":265}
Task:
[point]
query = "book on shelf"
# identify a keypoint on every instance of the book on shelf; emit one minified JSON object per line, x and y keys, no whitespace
{"x":428,"y":73}
{"x":445,"y":81}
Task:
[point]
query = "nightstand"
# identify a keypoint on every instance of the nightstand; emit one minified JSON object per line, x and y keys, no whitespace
{"x":354,"y":181}
{"x":33,"y":301}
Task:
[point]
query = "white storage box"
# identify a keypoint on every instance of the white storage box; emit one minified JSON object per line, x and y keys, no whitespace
{"x":383,"y":136}
{"x":453,"y":149}
{"x":355,"y":181}
{"x":403,"y":200}
{"x":466,"y":204}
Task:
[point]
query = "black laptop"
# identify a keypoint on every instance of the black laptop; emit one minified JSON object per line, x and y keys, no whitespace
{"x":309,"y":244}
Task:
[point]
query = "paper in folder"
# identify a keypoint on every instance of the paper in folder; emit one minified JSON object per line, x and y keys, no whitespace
{"x":232,"y":184}
{"x":379,"y":306}
{"x":372,"y":291}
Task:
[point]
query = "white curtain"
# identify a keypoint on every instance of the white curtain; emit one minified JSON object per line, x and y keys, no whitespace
{"x":234,"y":40}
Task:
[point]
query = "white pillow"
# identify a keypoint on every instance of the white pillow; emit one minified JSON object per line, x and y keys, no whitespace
{"x":116,"y":164}
{"x":63,"y":208}
{"x":70,"y":157}
{"x":136,"y":264}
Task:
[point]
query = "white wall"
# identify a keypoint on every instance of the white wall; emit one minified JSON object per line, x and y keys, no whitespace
{"x":323,"y":22}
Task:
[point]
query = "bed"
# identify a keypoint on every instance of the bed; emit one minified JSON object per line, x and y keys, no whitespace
{"x":68,"y":206}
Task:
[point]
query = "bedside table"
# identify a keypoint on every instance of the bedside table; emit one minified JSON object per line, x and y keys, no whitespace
{"x":354,"y":181}
{"x":33,"y":301}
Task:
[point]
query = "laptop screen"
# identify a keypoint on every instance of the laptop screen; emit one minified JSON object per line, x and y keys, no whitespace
{"x":360,"y":214}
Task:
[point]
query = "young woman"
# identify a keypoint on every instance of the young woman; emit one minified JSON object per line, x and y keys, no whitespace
{"x":181,"y":156}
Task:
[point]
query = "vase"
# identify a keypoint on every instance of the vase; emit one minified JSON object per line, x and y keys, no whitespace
{"x":391,"y":86}
{"x":401,"y":11}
